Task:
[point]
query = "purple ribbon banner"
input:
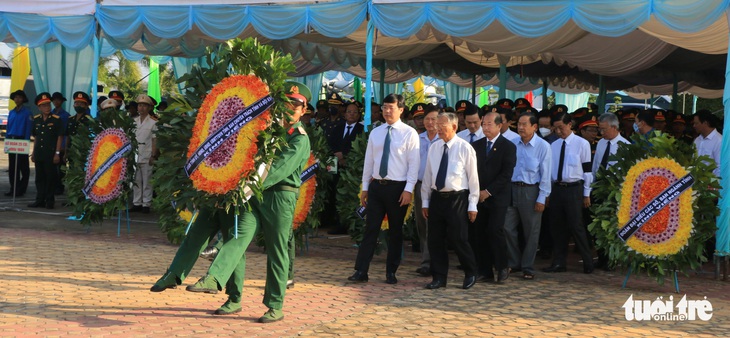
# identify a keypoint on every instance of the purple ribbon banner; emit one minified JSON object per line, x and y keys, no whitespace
{"x":105,"y":166}
{"x":309,"y":172}
{"x":652,"y":208}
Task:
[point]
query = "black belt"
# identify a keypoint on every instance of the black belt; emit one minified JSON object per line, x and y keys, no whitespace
{"x":568,"y":184}
{"x":523,"y":184}
{"x":12,"y":137}
{"x":386,"y":182}
{"x":448,"y":194}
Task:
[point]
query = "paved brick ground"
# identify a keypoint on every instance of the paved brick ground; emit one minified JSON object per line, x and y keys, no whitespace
{"x":60,"y":280}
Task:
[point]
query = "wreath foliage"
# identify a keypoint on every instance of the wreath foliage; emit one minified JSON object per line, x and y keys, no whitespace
{"x":609,"y":188}
{"x":174,"y":189}
{"x":81,"y":144}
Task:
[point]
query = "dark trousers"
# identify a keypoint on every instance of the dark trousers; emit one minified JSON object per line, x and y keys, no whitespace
{"x":18,"y":178}
{"x":448,"y":220}
{"x":383,"y":200}
{"x":46,"y":179}
{"x":487,"y":238}
{"x":566,"y":212}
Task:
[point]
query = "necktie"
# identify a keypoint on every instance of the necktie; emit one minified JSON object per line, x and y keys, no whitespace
{"x":604,"y":160}
{"x":443,"y":166}
{"x":347,"y":132}
{"x":386,"y":155}
{"x":489,"y":147}
{"x":562,"y":160}
{"x":471,"y":138}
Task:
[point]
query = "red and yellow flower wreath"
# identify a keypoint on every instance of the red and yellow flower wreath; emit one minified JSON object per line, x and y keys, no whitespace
{"x":668,"y":231}
{"x":306,"y":197}
{"x":109,"y":184}
{"x":223,"y":170}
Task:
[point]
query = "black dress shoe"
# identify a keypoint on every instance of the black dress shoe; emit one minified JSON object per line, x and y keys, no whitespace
{"x":435,"y":284}
{"x":145,"y":210}
{"x":425,"y":272}
{"x":486,"y":279}
{"x":555,"y":268}
{"x":36,"y":205}
{"x":358,"y":276}
{"x":136,"y":208}
{"x":588,"y":269}
{"x":502,"y":275}
{"x":469,"y":281}
{"x":9,"y":193}
{"x":390,"y":278}
{"x":209,"y":253}
{"x":49,"y":205}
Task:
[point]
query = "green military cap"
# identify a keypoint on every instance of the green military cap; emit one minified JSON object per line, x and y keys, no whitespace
{"x":298,"y":92}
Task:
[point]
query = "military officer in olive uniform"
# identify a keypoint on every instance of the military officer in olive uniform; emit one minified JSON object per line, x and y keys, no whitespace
{"x":274,"y":214}
{"x":48,"y":132}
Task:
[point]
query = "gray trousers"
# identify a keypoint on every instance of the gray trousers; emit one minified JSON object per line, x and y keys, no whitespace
{"x":522,"y":210}
{"x":421,"y":228}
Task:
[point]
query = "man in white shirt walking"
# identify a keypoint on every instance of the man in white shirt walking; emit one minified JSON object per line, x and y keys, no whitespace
{"x":390,"y":173}
{"x":450,"y":193}
{"x":709,"y":140}
{"x":571,"y":191}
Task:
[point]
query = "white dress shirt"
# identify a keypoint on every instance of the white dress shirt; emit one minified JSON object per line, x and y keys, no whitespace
{"x":534,"y":160}
{"x":577,"y":152}
{"x":348,"y":131}
{"x":466,"y":135}
{"x":511,"y":135}
{"x":423,"y":150}
{"x":461,"y":173}
{"x":710,"y":146}
{"x":601,"y":149}
{"x":144,"y":132}
{"x":404,"y":158}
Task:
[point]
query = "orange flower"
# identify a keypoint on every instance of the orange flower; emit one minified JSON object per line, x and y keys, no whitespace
{"x":306,"y":196}
{"x":108,"y":186}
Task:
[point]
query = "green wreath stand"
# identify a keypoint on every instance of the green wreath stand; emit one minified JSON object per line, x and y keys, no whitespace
{"x":608,"y":189}
{"x":84,"y":210}
{"x":348,"y":196}
{"x":173,"y":188}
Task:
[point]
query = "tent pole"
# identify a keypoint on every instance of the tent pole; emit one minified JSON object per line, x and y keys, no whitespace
{"x":544,"y":94}
{"x":382,"y":80}
{"x":95,"y":73}
{"x":722,"y":243}
{"x":502,"y":81}
{"x":675,"y":88}
{"x":601,"y":95}
{"x":369,"y":71}
{"x":474,"y":88}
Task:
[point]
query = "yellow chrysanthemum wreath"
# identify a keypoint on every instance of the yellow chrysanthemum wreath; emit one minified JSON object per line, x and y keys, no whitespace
{"x":672,"y":239}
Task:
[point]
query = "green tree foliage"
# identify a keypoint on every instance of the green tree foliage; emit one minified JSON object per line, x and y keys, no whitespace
{"x":117,"y":72}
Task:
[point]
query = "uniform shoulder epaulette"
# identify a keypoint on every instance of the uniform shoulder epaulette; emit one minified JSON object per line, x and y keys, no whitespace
{"x":153,"y":118}
{"x":37,"y":116}
{"x":56,"y":116}
{"x":301,"y":130}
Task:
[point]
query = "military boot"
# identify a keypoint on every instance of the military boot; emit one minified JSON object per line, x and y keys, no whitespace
{"x":273,"y":315}
{"x":228,"y":308}
{"x":167,"y":281}
{"x":207,"y":284}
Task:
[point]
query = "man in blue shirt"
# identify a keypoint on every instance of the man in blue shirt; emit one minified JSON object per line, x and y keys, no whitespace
{"x":531,"y":185}
{"x":20,"y":123}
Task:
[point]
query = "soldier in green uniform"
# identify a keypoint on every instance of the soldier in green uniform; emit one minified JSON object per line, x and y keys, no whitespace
{"x":48,"y":132}
{"x":273,"y":214}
